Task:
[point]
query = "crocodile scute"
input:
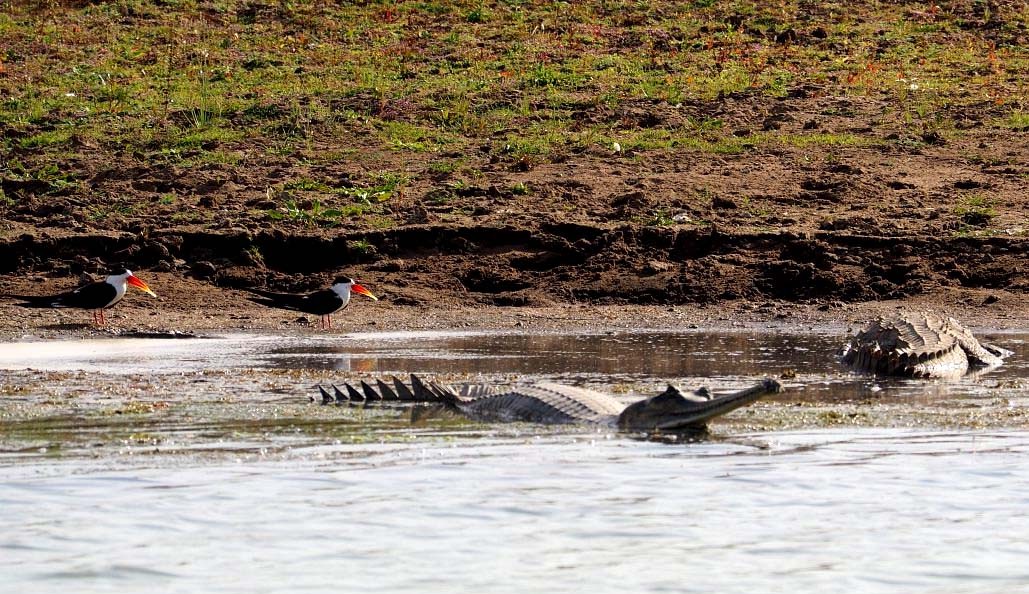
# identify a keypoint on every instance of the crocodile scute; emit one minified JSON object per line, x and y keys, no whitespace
{"x":919,"y":344}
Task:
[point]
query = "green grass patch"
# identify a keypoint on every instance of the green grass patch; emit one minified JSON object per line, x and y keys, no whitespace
{"x":1016,"y":120}
{"x":45,"y":139}
{"x":205,"y":138}
{"x":819,"y":140}
{"x":976,"y":211}
{"x":336,"y":203}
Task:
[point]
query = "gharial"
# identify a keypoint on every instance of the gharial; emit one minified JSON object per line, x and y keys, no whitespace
{"x":671,"y":411}
{"x":919,"y":344}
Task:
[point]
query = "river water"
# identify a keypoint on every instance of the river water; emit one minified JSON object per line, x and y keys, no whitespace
{"x":200,"y":465}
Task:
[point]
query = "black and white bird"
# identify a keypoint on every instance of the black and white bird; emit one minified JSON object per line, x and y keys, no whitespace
{"x":96,"y":296}
{"x":324,"y":302}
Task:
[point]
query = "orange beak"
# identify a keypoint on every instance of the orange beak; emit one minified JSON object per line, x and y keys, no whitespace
{"x":135,"y":282}
{"x":359,"y":289}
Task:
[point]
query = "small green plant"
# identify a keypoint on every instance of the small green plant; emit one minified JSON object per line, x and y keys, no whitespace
{"x":442,"y":166}
{"x":976,"y":211}
{"x":479,"y":14}
{"x":255,"y":256}
{"x":205,"y":105}
{"x":1017,"y":120}
{"x":316,"y":214}
{"x":51,"y":175}
{"x":520,"y":189}
{"x":660,"y":218}
{"x":388,"y":184}
{"x":361,"y":246}
{"x":105,"y":211}
{"x":111,"y":93}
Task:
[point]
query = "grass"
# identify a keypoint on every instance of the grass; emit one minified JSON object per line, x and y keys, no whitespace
{"x":334,"y":204}
{"x":46,"y":139}
{"x":976,"y":211}
{"x":531,"y":81}
{"x":1016,"y":120}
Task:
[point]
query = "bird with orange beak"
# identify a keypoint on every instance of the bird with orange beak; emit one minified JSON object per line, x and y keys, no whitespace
{"x":324,"y":302}
{"x":96,"y":296}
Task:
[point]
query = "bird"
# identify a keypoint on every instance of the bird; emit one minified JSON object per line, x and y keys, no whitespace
{"x":96,"y":296}
{"x":323,"y":302}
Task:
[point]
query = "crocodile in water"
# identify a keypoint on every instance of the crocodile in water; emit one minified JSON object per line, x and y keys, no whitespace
{"x":919,"y":345}
{"x":548,"y":403}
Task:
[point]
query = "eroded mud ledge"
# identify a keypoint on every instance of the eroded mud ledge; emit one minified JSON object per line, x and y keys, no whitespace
{"x":551,"y":263}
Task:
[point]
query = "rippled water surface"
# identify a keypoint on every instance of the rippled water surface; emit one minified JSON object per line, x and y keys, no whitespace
{"x":200,"y":465}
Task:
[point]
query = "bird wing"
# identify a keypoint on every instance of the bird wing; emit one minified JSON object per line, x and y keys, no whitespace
{"x":91,"y":296}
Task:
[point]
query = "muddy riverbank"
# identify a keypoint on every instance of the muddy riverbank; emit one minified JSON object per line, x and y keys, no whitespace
{"x":188,"y":305}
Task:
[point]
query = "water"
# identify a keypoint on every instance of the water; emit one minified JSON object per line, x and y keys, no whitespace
{"x":200,"y":466}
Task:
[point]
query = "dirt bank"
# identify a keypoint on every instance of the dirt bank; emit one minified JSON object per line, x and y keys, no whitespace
{"x":189,"y":305}
{"x":759,"y":160}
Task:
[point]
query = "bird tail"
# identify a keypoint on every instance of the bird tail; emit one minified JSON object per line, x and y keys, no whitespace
{"x":265,"y":294}
{"x":267,"y":298}
{"x":32,"y":300}
{"x":263,"y":301}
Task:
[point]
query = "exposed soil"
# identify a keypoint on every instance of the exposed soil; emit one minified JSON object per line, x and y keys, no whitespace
{"x":901,"y":215}
{"x":865,"y":227}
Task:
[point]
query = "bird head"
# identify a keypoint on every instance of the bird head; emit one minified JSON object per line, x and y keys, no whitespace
{"x":344,"y":285}
{"x":132,"y":280}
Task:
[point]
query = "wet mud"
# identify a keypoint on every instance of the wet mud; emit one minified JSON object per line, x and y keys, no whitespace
{"x":226,"y":395}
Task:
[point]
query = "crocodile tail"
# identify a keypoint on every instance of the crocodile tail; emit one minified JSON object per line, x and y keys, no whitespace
{"x":433,"y":391}
{"x":418,"y":390}
{"x":353,"y":395}
{"x":403,"y":390}
{"x":386,"y":391}
{"x":997,"y":351}
{"x":369,"y":392}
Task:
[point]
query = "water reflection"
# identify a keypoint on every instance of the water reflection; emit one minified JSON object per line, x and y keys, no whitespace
{"x":721,"y":359}
{"x":632,"y":354}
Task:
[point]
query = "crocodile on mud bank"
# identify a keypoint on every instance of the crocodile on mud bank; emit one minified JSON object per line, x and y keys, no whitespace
{"x":919,"y":344}
{"x":547,"y":403}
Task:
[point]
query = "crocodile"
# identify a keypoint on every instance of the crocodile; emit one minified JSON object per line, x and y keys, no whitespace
{"x":548,"y":403}
{"x":919,"y":344}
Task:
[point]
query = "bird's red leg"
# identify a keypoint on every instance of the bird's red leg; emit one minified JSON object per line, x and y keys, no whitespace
{"x":103,"y":320}
{"x":329,"y":318}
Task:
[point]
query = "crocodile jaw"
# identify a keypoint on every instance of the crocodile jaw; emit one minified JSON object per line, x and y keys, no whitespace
{"x":693,"y":415}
